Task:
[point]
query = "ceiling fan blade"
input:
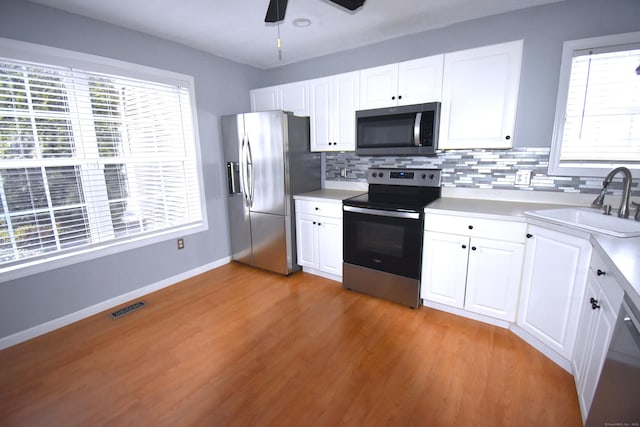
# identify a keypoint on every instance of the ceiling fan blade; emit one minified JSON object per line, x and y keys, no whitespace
{"x":349,"y":4}
{"x":276,"y":10}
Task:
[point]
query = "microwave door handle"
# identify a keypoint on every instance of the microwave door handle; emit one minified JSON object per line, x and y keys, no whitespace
{"x":416,"y":130}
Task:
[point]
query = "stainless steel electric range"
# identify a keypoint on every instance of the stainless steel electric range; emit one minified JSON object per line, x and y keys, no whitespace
{"x":382,"y":242}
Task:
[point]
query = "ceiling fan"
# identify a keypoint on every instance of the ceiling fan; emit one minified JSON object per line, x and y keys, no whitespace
{"x":277,"y":8}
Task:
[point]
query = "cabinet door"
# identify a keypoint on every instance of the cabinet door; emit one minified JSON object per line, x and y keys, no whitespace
{"x":597,"y":351}
{"x":294,"y":97}
{"x":444,"y":268}
{"x":420,"y":80}
{"x":330,"y":245}
{"x":346,"y":90}
{"x":479,"y":96}
{"x":493,"y":278}
{"x":553,"y":284}
{"x":307,"y":240}
{"x":321,"y":122}
{"x":265,"y":99}
{"x":584,"y":332}
{"x":379,"y":87}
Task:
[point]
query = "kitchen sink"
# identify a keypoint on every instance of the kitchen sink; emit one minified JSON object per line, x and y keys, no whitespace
{"x":589,"y":220}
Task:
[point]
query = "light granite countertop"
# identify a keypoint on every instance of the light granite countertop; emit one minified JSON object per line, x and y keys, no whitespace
{"x":328,"y":195}
{"x":490,"y":209}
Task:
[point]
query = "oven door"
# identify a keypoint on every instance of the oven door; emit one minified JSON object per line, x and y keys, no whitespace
{"x":389,"y":241}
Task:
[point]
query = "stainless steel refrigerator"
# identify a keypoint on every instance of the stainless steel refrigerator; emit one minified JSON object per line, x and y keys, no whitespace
{"x":268,"y":160}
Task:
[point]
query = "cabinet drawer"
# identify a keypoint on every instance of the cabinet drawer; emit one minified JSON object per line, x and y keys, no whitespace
{"x":476,"y":227}
{"x":333,"y":210}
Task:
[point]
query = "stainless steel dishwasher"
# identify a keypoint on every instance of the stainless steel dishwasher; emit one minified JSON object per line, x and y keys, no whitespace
{"x":617,"y":397}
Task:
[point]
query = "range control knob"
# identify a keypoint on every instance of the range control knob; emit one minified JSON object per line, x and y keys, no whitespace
{"x":424,"y":176}
{"x":431,"y":176}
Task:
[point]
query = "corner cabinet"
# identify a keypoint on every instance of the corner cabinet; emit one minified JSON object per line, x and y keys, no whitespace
{"x":319,"y":238}
{"x":333,"y":104}
{"x":553,"y":284}
{"x":480,"y":96}
{"x":405,"y":83}
{"x":599,"y":310}
{"x":473,"y":264}
{"x":292,"y":97}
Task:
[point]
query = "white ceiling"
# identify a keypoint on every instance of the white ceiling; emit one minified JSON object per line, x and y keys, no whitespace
{"x":235,"y":29}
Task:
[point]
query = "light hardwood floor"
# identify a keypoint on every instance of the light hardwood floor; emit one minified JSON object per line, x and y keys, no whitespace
{"x":241,"y":347}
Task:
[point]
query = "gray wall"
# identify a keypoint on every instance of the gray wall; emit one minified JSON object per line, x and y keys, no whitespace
{"x":543,"y":29}
{"x":221,"y":88}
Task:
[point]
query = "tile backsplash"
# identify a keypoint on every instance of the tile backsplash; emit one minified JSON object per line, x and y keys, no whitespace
{"x":484,"y":169}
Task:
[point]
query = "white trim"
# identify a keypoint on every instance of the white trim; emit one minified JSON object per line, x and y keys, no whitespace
{"x":16,"y":49}
{"x":542,"y":348}
{"x":67,"y":319}
{"x":464,"y":313}
{"x":109,"y":248}
{"x":329,"y":276}
{"x":568,"y":49}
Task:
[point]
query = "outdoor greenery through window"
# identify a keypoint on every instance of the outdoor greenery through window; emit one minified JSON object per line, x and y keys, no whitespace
{"x":598,"y":117}
{"x":89,"y":159}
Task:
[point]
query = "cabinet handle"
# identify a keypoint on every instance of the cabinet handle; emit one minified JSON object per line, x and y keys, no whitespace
{"x":508,"y":137}
{"x":399,"y":96}
{"x":316,"y":208}
{"x":600,"y":272}
{"x":314,"y":223}
{"x":529,"y":235}
{"x":594,"y":304}
{"x":471,"y":227}
{"x":473,"y":248}
{"x":319,"y":224}
{"x":393,"y":97}
{"x":464,"y":246}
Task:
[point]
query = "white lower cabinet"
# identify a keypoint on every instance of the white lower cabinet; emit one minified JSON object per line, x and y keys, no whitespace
{"x":319,"y":237}
{"x":553,"y":284}
{"x":599,"y":310}
{"x":473,"y":264}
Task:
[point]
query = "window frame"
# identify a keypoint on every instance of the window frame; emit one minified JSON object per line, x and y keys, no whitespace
{"x":568,"y":49}
{"x":24,"y":51}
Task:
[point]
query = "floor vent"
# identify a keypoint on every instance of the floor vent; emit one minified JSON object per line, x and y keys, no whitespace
{"x":128,"y":309}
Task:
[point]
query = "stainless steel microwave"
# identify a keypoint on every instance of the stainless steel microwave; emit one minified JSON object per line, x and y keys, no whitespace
{"x":408,"y":130}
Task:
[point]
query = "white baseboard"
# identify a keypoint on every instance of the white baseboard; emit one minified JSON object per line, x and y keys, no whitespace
{"x":464,"y":313}
{"x":65,"y":320}
{"x":542,"y":348}
{"x":322,"y":274}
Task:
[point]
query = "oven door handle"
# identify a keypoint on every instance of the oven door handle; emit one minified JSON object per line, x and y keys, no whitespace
{"x":380,"y":212}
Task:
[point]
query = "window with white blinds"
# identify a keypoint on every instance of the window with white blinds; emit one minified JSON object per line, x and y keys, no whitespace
{"x":598,"y":117}
{"x":89,"y":159}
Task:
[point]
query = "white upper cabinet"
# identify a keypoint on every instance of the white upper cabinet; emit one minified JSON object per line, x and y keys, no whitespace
{"x":333,"y":104}
{"x":420,"y":80}
{"x":265,"y":99}
{"x":292,"y":97}
{"x":410,"y":82}
{"x":480,"y":96}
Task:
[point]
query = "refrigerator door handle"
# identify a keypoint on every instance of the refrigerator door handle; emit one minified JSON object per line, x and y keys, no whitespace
{"x":243,"y":172}
{"x":251,"y":176}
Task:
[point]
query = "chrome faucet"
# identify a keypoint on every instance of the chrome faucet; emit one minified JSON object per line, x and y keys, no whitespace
{"x":626,"y":191}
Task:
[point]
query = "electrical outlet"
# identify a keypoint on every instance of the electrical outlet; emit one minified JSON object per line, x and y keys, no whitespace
{"x":343,"y":172}
{"x":523,"y":177}
{"x":180,"y":243}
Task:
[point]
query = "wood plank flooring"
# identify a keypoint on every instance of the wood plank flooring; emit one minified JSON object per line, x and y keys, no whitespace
{"x":242,"y":347}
